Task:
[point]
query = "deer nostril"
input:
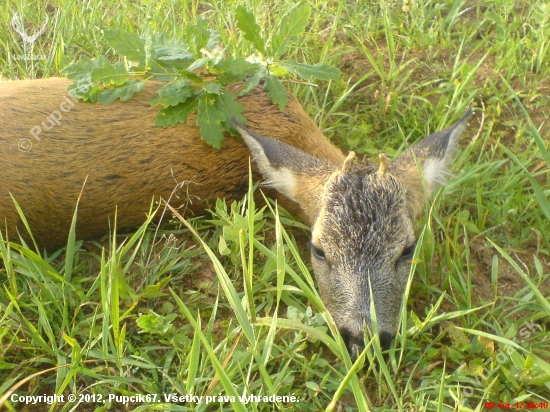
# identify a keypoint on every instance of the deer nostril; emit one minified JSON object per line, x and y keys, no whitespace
{"x":386,"y":339}
{"x":355,"y":350}
{"x":354,"y":343}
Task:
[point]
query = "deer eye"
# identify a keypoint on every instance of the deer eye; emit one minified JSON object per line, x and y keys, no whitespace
{"x":408,"y":252}
{"x":318,"y":252}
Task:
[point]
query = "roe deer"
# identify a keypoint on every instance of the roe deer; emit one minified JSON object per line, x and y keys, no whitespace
{"x":361,"y":214}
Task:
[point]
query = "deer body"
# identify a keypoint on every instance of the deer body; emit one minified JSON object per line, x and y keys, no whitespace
{"x":126,"y":159}
{"x":361,"y":215}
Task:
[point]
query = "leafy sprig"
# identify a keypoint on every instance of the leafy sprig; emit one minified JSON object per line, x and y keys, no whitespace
{"x":196,"y":71}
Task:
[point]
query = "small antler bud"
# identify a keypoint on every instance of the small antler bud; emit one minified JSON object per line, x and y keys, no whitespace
{"x":348,"y":162}
{"x":383,"y":164}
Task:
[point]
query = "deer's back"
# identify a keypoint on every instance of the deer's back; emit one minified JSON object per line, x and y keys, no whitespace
{"x":126,"y":159}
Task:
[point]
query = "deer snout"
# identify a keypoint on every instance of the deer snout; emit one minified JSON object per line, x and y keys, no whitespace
{"x":386,"y":338}
{"x":355,"y":342}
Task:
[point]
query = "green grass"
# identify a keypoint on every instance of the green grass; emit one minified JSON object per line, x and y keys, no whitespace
{"x":225,"y":305}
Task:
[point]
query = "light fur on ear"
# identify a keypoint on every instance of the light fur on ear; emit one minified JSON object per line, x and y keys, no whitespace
{"x":434,"y":155}
{"x":277,"y":175}
{"x":289,"y":170}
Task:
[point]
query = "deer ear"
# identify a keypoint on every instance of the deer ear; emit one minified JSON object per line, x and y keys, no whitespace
{"x":434,"y":156}
{"x":294,"y":173}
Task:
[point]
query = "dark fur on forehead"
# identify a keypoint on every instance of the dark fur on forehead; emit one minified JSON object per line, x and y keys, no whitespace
{"x":373,"y":203}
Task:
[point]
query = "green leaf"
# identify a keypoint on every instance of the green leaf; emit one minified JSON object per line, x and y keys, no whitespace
{"x":163,"y":73}
{"x":192,"y":76}
{"x":172,"y":115}
{"x":293,"y":24}
{"x":173,"y":55}
{"x":150,"y":53}
{"x":70,"y":341}
{"x":110,"y":74}
{"x":453,"y":354}
{"x":197,"y":64}
{"x":212,"y":87}
{"x":253,"y":80}
{"x":153,"y":66}
{"x":251,"y":31}
{"x":126,"y":44}
{"x":170,"y":49}
{"x":463,"y":217}
{"x":81,"y":69}
{"x":173,"y":93}
{"x":210,"y":121}
{"x":153,"y":323}
{"x":85,"y":91}
{"x":232,"y":70}
{"x":321,"y":71}
{"x":278,"y":70}
{"x":293,"y":313}
{"x":230,"y":108}
{"x":155,"y":291}
{"x":275,"y":91}
{"x":199,"y":37}
{"x":124,"y":92}
{"x":222,"y":247}
{"x":416,"y":320}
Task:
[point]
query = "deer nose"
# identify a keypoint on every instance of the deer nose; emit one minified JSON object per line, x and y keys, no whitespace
{"x":355,"y":346}
{"x":355,"y":342}
{"x":386,"y":338}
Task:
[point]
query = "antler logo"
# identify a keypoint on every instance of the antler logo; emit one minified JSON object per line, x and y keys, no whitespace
{"x":18,"y":26}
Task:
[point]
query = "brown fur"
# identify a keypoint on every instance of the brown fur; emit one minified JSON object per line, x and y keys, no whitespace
{"x":126,"y":159}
